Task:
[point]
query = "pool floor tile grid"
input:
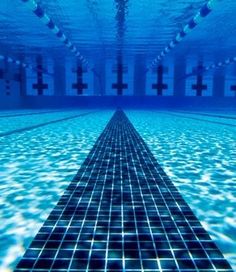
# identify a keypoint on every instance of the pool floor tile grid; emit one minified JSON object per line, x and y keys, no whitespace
{"x":121,"y":212}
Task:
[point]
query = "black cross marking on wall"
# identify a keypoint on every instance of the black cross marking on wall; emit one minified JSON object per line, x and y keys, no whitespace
{"x":80,"y":86}
{"x":120,"y":85}
{"x":40,"y":86}
{"x":4,"y":75}
{"x":7,"y":81}
{"x":233,"y":88}
{"x":16,"y":77}
{"x":199,"y":86}
{"x":160,"y":86}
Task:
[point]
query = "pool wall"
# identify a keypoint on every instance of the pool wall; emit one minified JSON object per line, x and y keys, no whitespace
{"x":172,"y":84}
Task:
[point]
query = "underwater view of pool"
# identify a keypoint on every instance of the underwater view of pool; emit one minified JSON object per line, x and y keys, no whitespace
{"x":199,"y":155}
{"x":41,"y":152}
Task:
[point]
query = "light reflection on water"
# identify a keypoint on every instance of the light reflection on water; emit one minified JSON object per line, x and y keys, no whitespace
{"x":200,"y":158}
{"x":35,"y":168}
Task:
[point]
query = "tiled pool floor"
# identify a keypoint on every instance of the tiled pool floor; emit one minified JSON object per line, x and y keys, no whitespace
{"x":36,"y":165}
{"x":122,"y":213}
{"x":200,"y":157}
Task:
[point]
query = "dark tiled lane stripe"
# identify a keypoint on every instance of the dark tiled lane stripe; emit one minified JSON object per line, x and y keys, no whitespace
{"x":121,"y":212}
{"x":4,"y":134}
{"x":198,"y":119}
{"x":30,"y":113}
{"x":209,"y":115}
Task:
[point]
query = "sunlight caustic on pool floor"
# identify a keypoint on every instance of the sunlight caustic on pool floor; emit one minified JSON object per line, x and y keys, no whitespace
{"x":37,"y":165}
{"x":200,"y":158}
{"x":35,"y":168}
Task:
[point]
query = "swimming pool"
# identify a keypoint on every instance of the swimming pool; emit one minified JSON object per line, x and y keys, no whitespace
{"x":42,"y":151}
{"x":38,"y":164}
{"x":199,"y":155}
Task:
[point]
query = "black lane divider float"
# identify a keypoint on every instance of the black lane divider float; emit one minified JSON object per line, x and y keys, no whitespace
{"x":121,"y":212}
{"x":8,"y":133}
{"x":198,"y":119}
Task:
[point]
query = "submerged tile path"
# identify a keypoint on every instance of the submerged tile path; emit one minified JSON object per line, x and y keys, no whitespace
{"x":122,"y":213}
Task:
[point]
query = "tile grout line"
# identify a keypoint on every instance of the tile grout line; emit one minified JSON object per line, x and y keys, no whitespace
{"x":121,"y":212}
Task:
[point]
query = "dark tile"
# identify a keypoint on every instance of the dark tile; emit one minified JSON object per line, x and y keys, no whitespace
{"x":61,"y":264}
{"x":26,"y":263}
{"x":43,"y":263}
{"x":221,"y":264}
{"x":142,"y":216}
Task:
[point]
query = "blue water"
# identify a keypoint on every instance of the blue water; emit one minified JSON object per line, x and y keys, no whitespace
{"x":41,"y":150}
{"x":36,"y":166}
{"x":199,"y":155}
{"x":96,"y":27}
